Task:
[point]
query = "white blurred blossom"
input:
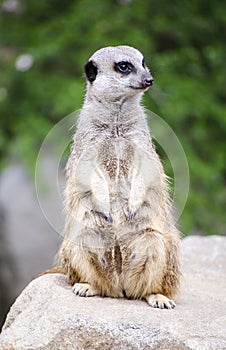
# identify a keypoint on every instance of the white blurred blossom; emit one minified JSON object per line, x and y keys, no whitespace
{"x":24,"y":62}
{"x":11,"y":6}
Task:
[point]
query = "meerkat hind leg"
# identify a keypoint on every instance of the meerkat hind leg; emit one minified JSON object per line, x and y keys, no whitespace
{"x":84,"y":290}
{"x":160,"y":301}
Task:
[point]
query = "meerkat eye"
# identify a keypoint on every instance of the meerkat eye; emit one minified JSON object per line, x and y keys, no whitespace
{"x":124,"y":67}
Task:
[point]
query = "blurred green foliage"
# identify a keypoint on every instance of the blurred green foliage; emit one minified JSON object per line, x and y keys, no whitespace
{"x":184,"y":45}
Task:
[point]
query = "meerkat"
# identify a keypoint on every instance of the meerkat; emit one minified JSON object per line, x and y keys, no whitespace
{"x":119,"y":239}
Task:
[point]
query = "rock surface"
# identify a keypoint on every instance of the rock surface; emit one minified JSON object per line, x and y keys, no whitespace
{"x":48,"y":316}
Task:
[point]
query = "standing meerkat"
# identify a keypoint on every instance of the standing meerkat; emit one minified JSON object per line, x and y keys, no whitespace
{"x":119,"y":238}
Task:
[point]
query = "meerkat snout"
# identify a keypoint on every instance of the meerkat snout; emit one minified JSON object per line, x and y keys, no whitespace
{"x":148,"y":81}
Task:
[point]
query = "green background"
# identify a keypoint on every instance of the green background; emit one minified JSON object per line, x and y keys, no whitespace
{"x":184,"y":45}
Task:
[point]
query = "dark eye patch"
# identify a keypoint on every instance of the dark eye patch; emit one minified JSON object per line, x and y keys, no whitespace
{"x":124,"y":67}
{"x":143,"y":63}
{"x":91,"y":71}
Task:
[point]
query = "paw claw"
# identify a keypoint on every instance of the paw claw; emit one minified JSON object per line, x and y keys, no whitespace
{"x":131,"y":215}
{"x":84,"y":290}
{"x":107,"y":217}
{"x":160,"y":301}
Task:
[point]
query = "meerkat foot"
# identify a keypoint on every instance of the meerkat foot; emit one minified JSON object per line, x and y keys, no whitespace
{"x":160,"y":301}
{"x":84,"y":290}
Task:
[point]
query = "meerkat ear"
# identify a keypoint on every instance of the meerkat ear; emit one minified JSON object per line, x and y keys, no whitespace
{"x":91,"y":71}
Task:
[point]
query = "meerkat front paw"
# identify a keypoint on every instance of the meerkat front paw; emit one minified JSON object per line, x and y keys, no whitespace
{"x":130,"y":212}
{"x":84,"y":290}
{"x":137,"y":193}
{"x":160,"y":301}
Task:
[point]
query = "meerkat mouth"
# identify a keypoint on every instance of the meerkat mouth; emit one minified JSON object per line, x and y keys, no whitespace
{"x":139,"y":87}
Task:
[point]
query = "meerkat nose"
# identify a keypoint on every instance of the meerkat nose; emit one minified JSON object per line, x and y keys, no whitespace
{"x":148,"y":81}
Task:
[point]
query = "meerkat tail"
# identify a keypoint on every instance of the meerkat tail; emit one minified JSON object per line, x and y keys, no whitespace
{"x":56,"y":269}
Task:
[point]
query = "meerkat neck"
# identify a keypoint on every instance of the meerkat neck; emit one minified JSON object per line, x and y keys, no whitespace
{"x":128,"y":108}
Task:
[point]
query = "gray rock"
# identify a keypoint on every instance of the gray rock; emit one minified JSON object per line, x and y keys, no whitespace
{"x":48,"y":316}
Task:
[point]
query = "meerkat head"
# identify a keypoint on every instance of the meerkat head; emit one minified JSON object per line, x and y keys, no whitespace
{"x":114,"y":73}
